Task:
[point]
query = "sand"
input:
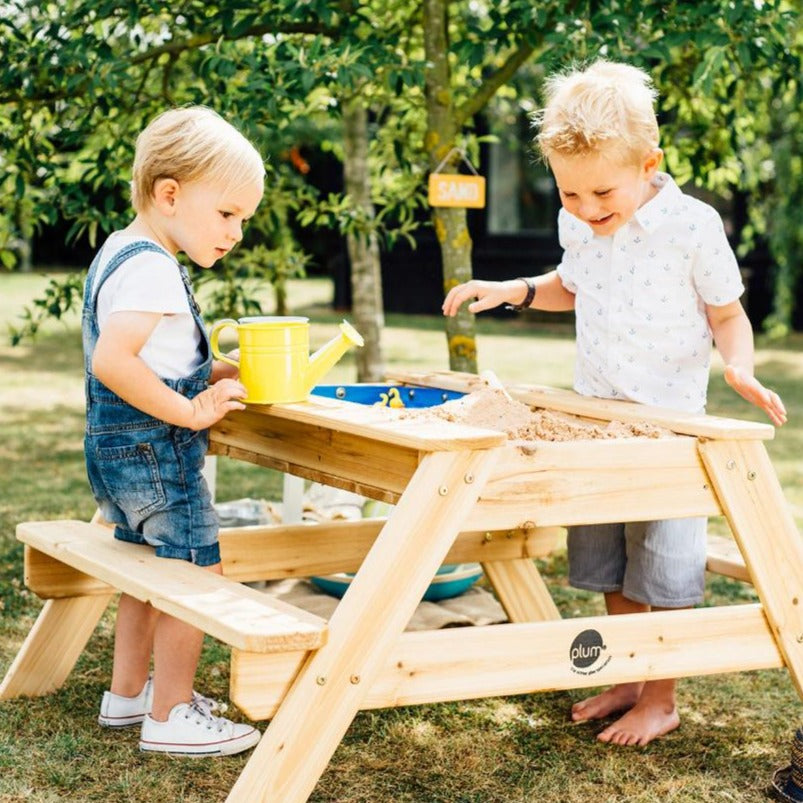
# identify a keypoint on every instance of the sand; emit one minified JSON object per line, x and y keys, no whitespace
{"x":492,"y":409}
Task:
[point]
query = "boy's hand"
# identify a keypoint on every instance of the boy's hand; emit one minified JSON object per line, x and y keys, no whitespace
{"x":488,"y":295}
{"x":213,"y":403}
{"x":747,"y":386}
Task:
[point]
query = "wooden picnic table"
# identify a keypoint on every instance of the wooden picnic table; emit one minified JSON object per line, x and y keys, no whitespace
{"x":467,"y":494}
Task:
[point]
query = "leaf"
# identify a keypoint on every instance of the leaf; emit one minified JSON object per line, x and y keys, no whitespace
{"x":241,"y":26}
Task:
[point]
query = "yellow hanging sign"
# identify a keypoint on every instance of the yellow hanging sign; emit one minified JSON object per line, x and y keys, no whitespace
{"x":453,"y":189}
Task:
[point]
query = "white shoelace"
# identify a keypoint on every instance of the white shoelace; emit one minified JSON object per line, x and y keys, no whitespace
{"x":213,"y":706}
{"x":204,"y":716}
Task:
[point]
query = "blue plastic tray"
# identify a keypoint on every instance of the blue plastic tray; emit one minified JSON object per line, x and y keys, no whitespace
{"x":372,"y":394}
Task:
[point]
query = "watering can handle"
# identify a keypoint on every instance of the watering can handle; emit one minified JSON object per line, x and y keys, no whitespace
{"x":214,"y":334}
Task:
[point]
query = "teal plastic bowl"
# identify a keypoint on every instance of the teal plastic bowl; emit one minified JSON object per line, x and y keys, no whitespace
{"x":451,"y":580}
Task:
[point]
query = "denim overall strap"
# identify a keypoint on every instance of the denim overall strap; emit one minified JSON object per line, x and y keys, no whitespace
{"x":206,"y":348}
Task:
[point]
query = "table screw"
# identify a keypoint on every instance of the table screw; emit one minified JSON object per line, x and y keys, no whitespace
{"x":443,"y":490}
{"x":320,"y":680}
{"x":751,"y":475}
{"x":730,"y":465}
{"x":487,"y":537}
{"x":355,"y":679}
{"x":469,"y":478}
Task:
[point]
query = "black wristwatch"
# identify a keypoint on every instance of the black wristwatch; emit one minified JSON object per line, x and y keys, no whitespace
{"x":528,"y":299}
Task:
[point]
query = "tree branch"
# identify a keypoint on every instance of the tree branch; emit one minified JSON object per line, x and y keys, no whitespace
{"x":175,"y":48}
{"x":178,"y":46}
{"x":489,"y":87}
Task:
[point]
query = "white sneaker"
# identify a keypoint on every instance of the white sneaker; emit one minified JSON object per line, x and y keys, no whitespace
{"x":191,"y":729}
{"x":122,"y":712}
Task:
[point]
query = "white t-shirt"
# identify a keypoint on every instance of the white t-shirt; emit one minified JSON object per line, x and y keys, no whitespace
{"x":642,"y":331}
{"x":151,"y":282}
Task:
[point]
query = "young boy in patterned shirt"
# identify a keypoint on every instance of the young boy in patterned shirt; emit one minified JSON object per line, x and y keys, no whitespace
{"x":651,"y":278}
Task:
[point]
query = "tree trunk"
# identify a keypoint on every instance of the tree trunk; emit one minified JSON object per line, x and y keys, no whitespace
{"x":23,"y":241}
{"x":24,"y":251}
{"x":451,"y":225}
{"x":363,"y":248}
{"x":280,"y":290}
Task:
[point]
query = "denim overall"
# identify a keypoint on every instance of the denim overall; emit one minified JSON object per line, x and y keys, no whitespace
{"x":146,"y":474}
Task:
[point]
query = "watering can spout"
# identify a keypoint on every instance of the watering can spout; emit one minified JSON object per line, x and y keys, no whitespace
{"x":328,"y":354}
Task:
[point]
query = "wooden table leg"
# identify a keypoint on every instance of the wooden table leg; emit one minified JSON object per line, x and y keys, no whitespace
{"x":53,"y":645}
{"x":368,"y":622}
{"x":762,"y":524}
{"x":521,"y":590}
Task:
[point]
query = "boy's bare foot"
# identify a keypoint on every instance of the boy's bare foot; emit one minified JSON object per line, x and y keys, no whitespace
{"x":617,"y":698}
{"x":645,"y":721}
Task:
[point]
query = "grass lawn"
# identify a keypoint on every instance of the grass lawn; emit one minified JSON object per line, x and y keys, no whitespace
{"x":736,"y":729}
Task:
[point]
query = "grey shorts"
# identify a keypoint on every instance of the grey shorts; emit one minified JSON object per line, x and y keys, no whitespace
{"x":660,"y":563}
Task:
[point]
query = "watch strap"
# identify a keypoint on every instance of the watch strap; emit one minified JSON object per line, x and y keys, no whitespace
{"x":528,"y":299}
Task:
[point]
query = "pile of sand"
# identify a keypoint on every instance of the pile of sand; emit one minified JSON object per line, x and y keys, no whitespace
{"x":492,"y":409}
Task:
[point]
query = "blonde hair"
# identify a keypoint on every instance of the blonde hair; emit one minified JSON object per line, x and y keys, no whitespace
{"x":605,"y":107}
{"x":191,"y":144}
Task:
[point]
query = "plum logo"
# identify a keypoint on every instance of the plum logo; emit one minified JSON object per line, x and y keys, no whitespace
{"x":587,"y":653}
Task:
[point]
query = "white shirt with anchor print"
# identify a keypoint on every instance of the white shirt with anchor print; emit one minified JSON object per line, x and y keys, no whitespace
{"x":642,"y":331}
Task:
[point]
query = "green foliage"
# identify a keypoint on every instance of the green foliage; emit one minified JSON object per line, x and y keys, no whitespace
{"x":60,"y":298}
{"x":781,"y":217}
{"x":231,"y":288}
{"x":79,"y":78}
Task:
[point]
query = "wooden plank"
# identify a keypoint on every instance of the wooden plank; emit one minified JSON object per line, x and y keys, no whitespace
{"x":257,"y":457}
{"x":523,"y":658}
{"x":53,"y":645}
{"x":236,"y":614}
{"x":314,"y":452}
{"x":272,"y":552}
{"x":765,"y":531}
{"x":381,"y":598}
{"x":635,"y":479}
{"x":472,"y":662}
{"x":723,"y":557}
{"x":49,"y":578}
{"x":260,"y":681}
{"x":521,"y":590}
{"x":381,"y":424}
{"x":568,"y":401}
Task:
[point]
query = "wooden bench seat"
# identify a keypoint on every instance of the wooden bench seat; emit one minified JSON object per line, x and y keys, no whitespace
{"x":75,"y":559}
{"x":723,"y":557}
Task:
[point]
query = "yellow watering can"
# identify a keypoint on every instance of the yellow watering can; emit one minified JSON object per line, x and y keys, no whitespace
{"x":275,"y":363}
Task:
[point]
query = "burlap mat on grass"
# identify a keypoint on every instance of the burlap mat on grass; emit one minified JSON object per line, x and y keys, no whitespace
{"x":476,"y":606}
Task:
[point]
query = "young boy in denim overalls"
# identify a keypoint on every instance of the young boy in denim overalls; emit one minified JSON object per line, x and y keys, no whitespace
{"x":152,"y":391}
{"x":651,"y":278}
